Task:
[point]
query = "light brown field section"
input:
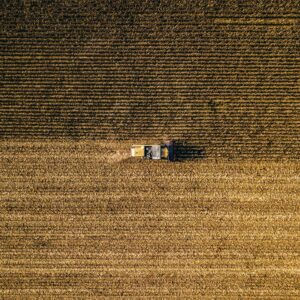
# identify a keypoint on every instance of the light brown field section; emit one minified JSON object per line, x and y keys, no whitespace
{"x":76,"y":220}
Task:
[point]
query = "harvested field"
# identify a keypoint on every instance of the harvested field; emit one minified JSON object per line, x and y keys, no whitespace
{"x":76,"y":223}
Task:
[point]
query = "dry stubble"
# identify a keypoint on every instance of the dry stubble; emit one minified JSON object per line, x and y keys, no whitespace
{"x":75,"y":221}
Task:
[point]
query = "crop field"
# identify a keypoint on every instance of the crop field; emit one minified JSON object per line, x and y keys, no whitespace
{"x":83,"y":80}
{"x":84,"y":219}
{"x":223,"y":75}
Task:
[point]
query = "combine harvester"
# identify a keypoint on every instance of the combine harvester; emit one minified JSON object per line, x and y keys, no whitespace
{"x":164,"y":151}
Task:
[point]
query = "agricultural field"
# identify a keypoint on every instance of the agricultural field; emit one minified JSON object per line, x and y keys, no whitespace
{"x":83,"y":80}
{"x":85,"y":219}
{"x":223,"y":75}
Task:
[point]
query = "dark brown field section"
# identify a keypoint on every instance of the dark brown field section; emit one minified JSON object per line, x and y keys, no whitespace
{"x":223,"y":75}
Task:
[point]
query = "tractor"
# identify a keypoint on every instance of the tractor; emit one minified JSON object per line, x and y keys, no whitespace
{"x":164,"y":151}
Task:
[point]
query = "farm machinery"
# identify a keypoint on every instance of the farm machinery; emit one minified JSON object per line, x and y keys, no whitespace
{"x":164,"y":151}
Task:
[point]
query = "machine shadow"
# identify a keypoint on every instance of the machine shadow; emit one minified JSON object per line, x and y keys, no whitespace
{"x":186,"y":151}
